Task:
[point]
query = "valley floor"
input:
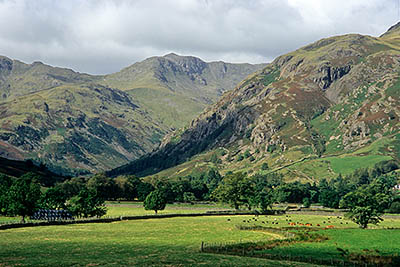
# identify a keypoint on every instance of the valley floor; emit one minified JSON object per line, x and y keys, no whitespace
{"x":177,"y":241}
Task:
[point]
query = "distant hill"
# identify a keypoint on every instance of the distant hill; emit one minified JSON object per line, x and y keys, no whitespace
{"x":17,"y":168}
{"x":327,"y":108}
{"x":76,"y":122}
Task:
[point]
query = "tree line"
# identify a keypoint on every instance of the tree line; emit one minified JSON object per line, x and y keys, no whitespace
{"x":366,"y":191}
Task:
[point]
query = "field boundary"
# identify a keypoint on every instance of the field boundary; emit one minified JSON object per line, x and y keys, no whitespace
{"x":125,"y":218}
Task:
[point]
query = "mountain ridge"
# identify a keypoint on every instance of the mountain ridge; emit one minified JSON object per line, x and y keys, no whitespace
{"x":84,"y":122}
{"x":338,"y":95}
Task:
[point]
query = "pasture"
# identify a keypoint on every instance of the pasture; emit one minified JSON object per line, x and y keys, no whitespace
{"x":177,"y":241}
{"x":134,"y":208}
{"x":154,"y":242}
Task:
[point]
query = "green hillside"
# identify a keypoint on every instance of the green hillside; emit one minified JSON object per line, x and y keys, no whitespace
{"x":325,"y":109}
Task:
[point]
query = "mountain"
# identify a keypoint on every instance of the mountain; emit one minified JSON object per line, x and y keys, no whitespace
{"x":175,"y":89}
{"x":16,"y":168}
{"x":327,"y":108}
{"x":76,"y":122}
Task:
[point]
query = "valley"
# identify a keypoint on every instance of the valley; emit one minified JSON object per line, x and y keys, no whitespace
{"x":174,"y":161}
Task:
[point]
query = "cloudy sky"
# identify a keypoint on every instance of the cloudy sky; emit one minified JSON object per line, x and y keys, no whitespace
{"x":103,"y":36}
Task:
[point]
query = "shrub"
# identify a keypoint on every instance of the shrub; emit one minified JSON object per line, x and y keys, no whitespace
{"x":264,"y":166}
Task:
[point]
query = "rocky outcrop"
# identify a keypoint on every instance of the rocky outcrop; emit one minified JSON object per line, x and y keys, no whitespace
{"x":329,"y":74}
{"x":321,"y":98}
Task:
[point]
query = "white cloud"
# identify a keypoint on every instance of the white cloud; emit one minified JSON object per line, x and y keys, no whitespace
{"x":99,"y":36}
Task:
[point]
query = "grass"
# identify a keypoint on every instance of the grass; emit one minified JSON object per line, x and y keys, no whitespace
{"x":176,"y":241}
{"x":347,"y":164}
{"x":345,"y":235}
{"x":129,"y":208}
{"x":156,"y":242}
{"x":116,"y":209}
{"x":356,"y":241}
{"x":394,"y":89}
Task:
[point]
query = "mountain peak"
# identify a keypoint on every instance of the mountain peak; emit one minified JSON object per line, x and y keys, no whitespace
{"x":172,"y":54}
{"x":178,"y":58}
{"x":392,"y":29}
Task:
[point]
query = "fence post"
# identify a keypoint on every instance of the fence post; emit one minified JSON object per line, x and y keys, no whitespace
{"x":202,"y":246}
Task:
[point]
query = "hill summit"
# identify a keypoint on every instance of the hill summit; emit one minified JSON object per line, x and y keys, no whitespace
{"x":84,"y":122}
{"x":334,"y":100}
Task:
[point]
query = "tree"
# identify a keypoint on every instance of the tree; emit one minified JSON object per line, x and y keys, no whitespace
{"x":5,"y":184}
{"x":189,"y":197}
{"x":367,"y":203}
{"x":128,"y":187}
{"x":306,"y":202}
{"x":87,"y":203}
{"x":156,"y":201}
{"x":292,"y":193}
{"x":73,"y":186}
{"x":143,"y":189}
{"x":23,"y":196}
{"x":235,"y":189}
{"x":265,"y":200}
{"x":105,"y":186}
{"x":54,"y":198}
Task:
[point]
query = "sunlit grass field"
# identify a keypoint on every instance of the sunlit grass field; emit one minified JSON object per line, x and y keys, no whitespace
{"x":130,"y":208}
{"x":177,"y":241}
{"x":154,"y":242}
{"x":116,"y":209}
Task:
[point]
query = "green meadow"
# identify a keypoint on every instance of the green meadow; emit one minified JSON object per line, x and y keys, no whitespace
{"x":153,"y":242}
{"x":126,"y":208}
{"x":177,"y":241}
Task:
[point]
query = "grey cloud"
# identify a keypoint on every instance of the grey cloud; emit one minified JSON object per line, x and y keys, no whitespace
{"x":99,"y":36}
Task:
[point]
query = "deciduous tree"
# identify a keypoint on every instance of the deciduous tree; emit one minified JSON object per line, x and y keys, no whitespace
{"x":156,"y":201}
{"x":367,"y":203}
{"x":23,"y":196}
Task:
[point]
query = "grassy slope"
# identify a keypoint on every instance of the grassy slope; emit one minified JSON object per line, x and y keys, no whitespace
{"x":170,"y":109}
{"x":308,"y":170}
{"x":344,"y":122}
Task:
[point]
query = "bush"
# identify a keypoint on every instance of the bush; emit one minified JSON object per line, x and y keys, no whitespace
{"x":264,"y":166}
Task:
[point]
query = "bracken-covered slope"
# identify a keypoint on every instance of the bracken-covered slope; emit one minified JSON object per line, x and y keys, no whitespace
{"x":336,"y":99}
{"x":82,"y":122}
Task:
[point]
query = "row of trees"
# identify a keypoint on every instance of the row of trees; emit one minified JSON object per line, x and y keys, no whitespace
{"x":367,"y":193}
{"x":85,"y":197}
{"x":23,"y":196}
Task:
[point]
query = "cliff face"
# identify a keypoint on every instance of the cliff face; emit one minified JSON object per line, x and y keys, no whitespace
{"x":335,"y":95}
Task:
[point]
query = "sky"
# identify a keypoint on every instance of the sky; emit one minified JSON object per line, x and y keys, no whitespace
{"x":104,"y":36}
